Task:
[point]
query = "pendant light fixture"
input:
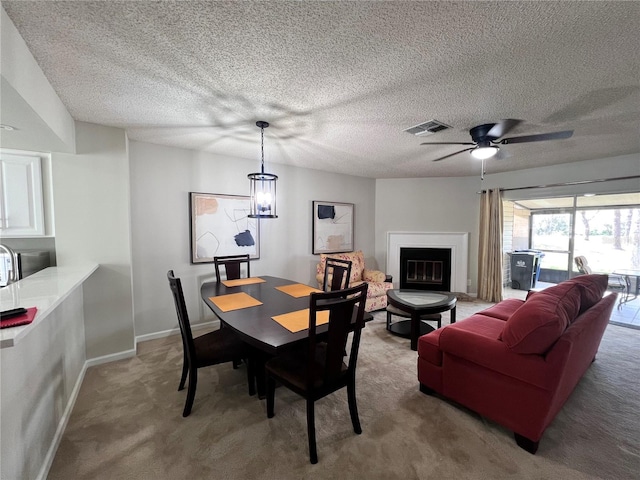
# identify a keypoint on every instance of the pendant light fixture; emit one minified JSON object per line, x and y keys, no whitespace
{"x":262,"y":186}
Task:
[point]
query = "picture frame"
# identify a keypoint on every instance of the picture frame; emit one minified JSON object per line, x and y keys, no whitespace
{"x":220,"y":225}
{"x":332,"y":227}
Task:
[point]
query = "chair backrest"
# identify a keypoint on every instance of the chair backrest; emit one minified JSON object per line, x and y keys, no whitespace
{"x":357,"y":264}
{"x":582,"y":264}
{"x":336,"y":274}
{"x":346,"y":315}
{"x":232,"y":266}
{"x":183,"y":316}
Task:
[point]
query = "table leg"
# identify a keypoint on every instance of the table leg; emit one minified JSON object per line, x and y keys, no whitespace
{"x":415,"y":330}
{"x":261,"y":376}
{"x":453,"y":315}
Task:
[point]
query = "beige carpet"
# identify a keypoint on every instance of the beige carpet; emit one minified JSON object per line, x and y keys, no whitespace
{"x":127,"y":423}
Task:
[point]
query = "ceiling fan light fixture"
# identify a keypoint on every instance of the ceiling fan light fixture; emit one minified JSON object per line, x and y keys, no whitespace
{"x":482,"y":152}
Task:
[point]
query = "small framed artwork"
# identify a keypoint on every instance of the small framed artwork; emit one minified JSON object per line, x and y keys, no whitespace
{"x":220,"y":225}
{"x":332,"y":228}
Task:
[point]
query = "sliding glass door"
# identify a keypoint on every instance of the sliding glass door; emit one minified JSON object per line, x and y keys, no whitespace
{"x":604,"y":228}
{"x":608,"y":238}
{"x":551,"y":233}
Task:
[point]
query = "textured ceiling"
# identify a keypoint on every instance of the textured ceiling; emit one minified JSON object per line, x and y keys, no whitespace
{"x":340,"y":81}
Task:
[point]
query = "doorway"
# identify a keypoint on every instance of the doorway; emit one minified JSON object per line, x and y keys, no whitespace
{"x":603,"y":228}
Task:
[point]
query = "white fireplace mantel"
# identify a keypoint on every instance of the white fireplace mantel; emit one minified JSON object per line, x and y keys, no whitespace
{"x":457,"y":242}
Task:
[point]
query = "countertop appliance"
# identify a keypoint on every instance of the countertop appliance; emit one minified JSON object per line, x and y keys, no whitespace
{"x":29,"y":262}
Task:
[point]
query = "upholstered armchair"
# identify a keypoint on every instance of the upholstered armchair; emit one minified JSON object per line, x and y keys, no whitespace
{"x":377,"y":291}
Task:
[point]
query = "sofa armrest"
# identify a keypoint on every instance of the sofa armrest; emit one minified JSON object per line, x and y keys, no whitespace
{"x":373,"y":276}
{"x":493,"y":354}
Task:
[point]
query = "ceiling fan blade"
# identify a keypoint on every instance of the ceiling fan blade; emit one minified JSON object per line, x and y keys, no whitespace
{"x":503,"y":127}
{"x":448,"y":143}
{"x":452,"y":154}
{"x":537,"y":138}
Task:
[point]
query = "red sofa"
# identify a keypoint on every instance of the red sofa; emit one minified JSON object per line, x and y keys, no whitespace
{"x":517,"y":362}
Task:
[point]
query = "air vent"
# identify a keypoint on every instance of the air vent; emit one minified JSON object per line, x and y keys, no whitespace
{"x":427,"y":128}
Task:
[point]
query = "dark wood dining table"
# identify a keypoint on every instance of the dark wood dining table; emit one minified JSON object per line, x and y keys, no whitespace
{"x":255,"y":325}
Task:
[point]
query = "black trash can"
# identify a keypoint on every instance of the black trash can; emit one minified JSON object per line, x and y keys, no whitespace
{"x":524,"y":269}
{"x":536,"y":267}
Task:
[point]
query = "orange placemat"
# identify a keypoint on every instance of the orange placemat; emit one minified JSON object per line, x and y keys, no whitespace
{"x":297,"y":290}
{"x":242,"y":281}
{"x":234,"y":301}
{"x":299,"y":320}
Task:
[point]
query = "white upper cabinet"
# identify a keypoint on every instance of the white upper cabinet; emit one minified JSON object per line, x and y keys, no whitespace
{"x":21,"y":206}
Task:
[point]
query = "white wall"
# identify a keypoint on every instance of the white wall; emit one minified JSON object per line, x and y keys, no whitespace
{"x":162,"y":177}
{"x":91,"y":208}
{"x":428,"y":205}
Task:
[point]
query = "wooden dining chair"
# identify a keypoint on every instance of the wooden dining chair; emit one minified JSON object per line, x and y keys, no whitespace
{"x":318,"y":370}
{"x":232,"y":265}
{"x":337,"y":273}
{"x":233,"y":270}
{"x":219,"y":346}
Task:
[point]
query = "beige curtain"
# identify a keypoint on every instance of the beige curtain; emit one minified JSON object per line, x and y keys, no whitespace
{"x":490,"y":247}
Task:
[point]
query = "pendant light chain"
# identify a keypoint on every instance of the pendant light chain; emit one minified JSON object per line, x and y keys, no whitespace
{"x":262,"y":147}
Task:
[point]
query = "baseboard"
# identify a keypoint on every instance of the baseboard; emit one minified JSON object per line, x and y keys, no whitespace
{"x":173,"y":331}
{"x":622,"y":324}
{"x":110,"y":358}
{"x":156,"y":335}
{"x":62,"y":425}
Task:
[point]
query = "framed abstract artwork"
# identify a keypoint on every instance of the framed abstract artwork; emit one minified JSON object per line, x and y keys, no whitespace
{"x":332,"y":227}
{"x":220,"y":226}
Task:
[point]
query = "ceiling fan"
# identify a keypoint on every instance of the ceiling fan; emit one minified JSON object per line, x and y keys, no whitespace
{"x":485,"y":139}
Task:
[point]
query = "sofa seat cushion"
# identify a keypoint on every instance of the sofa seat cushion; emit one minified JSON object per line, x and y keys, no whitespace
{"x":429,"y":347}
{"x":376,"y":303}
{"x":477,"y":324}
{"x":475,"y":340}
{"x":539,"y":322}
{"x":504,"y":309}
{"x":376,"y":294}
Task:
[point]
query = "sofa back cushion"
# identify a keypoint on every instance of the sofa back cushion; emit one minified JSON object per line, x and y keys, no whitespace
{"x":538,"y":323}
{"x":593,"y":288}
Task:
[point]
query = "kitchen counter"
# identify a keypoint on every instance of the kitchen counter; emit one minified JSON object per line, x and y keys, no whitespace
{"x":45,"y":290}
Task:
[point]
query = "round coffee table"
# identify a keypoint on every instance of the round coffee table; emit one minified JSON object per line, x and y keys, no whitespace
{"x":418,"y":303}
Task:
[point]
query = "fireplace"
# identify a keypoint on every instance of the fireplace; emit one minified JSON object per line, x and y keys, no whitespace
{"x":457,"y":242}
{"x":425,"y":269}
